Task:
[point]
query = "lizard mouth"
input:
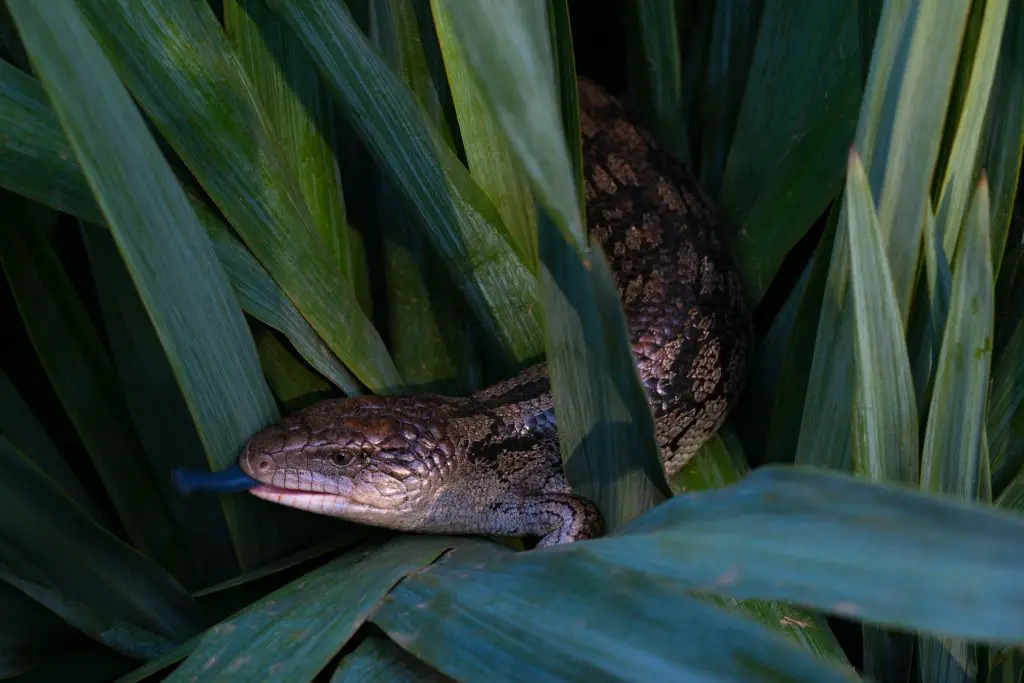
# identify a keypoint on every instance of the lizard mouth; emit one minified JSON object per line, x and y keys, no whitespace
{"x":317,"y":502}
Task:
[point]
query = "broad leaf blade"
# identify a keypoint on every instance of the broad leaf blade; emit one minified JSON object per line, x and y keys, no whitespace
{"x":1004,"y":131}
{"x":955,"y":440}
{"x":952,"y":445}
{"x":301,"y":113}
{"x":84,"y":378}
{"x":898,"y":136}
{"x":885,"y":422}
{"x":19,"y":425}
{"x":1005,"y":420}
{"x":294,"y":385}
{"x":429,"y":338}
{"x":962,"y":167}
{"x":605,"y":425}
{"x":794,"y":126}
{"x":113,"y":593}
{"x":160,"y":240}
{"x":721,"y":463}
{"x":655,"y":84}
{"x":36,"y":160}
{"x":168,"y":52}
{"x":508,"y":46}
{"x":161,"y":417}
{"x":637,"y":627}
{"x":488,"y":156}
{"x":732,"y":43}
{"x":46,"y":160}
{"x":378,"y":660}
{"x":460,"y":220}
{"x":883,"y":554}
{"x":295,"y":631}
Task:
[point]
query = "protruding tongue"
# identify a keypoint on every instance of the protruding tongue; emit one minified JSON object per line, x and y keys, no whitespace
{"x":228,"y":480}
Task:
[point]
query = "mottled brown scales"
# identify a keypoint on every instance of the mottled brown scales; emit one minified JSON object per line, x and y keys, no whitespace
{"x":489,"y":463}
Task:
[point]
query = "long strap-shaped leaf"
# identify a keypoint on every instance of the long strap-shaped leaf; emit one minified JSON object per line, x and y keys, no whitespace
{"x":198,"y":321}
{"x":460,"y":220}
{"x":175,"y":59}
{"x":37,"y":161}
{"x":885,"y":424}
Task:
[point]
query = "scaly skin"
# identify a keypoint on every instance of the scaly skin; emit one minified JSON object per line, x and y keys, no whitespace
{"x":489,"y":463}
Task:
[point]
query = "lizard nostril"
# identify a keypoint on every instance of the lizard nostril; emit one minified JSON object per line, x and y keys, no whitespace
{"x":264,"y":463}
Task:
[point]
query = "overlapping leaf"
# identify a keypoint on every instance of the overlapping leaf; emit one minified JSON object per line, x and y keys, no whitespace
{"x":319,"y":612}
{"x":793,"y":128}
{"x":198,"y":322}
{"x":166,"y":53}
{"x":516,"y":620}
{"x":885,"y":422}
{"x":460,"y":220}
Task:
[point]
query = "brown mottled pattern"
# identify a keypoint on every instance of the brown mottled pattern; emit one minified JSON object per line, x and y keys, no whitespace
{"x":489,"y":463}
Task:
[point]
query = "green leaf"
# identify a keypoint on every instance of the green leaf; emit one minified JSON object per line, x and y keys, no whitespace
{"x":161,"y":417}
{"x":36,"y":160}
{"x":770,"y":409}
{"x":928,"y":316}
{"x":301,"y":115}
{"x":952,"y":444}
{"x":294,"y":385}
{"x":430,"y":340}
{"x":637,"y":627}
{"x":508,"y":47}
{"x":898,"y":136}
{"x":160,"y":239}
{"x":378,"y":660}
{"x":794,"y":125}
{"x":28,"y":632}
{"x":83,"y":376}
{"x":962,"y":167}
{"x":1003,"y":141}
{"x":905,"y":134}
{"x":655,"y":79}
{"x":461,"y":222}
{"x":1012,"y":496}
{"x":720,"y":463}
{"x":19,"y":425}
{"x":605,"y":426}
{"x":294,"y":632}
{"x":732,"y":44}
{"x":882,"y":554}
{"x":46,"y":159}
{"x":261,"y":298}
{"x":1005,"y":419}
{"x":110,"y":592}
{"x":491,"y":162}
{"x":168,"y":52}
{"x":885,"y":422}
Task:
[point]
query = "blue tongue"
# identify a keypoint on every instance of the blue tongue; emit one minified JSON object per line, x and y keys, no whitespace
{"x":228,"y":480}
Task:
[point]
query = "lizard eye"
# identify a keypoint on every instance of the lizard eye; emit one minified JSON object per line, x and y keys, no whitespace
{"x":339,"y":457}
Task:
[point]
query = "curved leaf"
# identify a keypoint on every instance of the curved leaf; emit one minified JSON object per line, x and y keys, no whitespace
{"x":198,"y":322}
{"x":460,"y":221}
{"x":883,"y":554}
{"x":301,"y":114}
{"x":508,"y":46}
{"x":111,"y":592}
{"x":798,"y":113}
{"x":295,"y":631}
{"x":885,"y":422}
{"x":512,"y":620}
{"x":167,"y":53}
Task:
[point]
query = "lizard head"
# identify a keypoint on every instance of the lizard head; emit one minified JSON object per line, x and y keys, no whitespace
{"x":368,"y":459}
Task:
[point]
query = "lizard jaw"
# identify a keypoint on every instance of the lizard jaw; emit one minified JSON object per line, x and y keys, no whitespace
{"x":329,"y":504}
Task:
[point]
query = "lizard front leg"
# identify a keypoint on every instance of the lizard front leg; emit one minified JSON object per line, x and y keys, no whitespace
{"x":555,"y":518}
